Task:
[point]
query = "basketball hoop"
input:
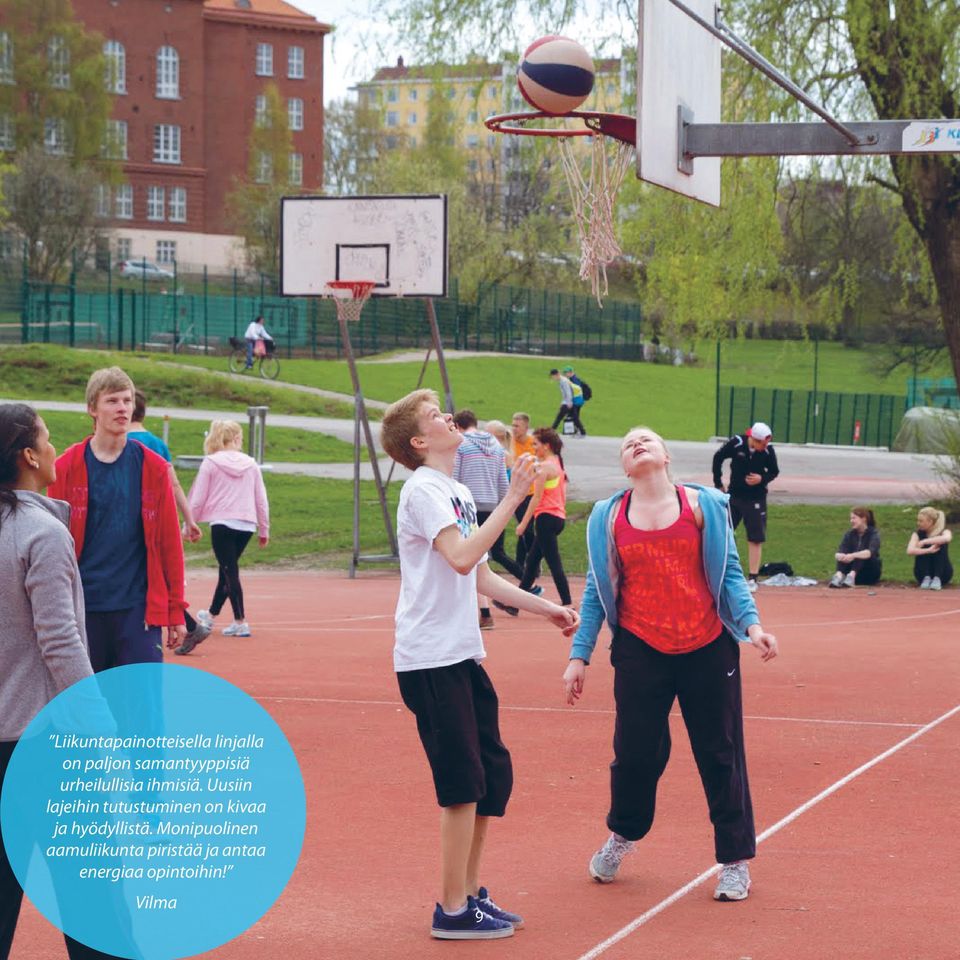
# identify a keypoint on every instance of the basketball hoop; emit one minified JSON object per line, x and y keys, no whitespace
{"x":349,"y":296}
{"x":593,"y":196}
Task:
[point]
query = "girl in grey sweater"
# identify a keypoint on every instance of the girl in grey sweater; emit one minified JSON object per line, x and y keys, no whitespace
{"x":43,"y":648}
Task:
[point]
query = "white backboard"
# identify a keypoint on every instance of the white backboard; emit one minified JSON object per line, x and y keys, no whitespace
{"x":678,"y":65}
{"x":399,"y":242}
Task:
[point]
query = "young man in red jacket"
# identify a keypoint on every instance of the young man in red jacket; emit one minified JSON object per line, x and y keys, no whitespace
{"x":124,"y":524}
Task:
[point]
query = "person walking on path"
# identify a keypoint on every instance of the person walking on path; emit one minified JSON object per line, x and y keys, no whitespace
{"x":858,"y":556}
{"x":438,"y":652}
{"x":124,"y":524}
{"x":523,"y":442}
{"x":480,"y":465}
{"x":256,"y":336}
{"x":571,"y":400}
{"x":547,"y":513}
{"x":753,"y":467}
{"x":665,"y":576}
{"x":930,"y":548}
{"x":229,"y":494}
{"x":43,"y":643}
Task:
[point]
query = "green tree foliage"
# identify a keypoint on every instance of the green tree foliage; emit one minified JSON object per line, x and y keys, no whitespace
{"x":253,"y":204}
{"x":59,"y":91}
{"x":353,"y":139}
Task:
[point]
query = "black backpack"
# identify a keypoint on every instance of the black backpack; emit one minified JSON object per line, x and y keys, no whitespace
{"x":587,"y":392}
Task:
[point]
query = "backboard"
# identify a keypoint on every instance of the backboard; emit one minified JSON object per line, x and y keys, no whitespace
{"x":399,"y":242}
{"x":678,"y":70}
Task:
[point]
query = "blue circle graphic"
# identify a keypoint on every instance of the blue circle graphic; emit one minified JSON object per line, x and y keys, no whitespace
{"x":153,"y":811}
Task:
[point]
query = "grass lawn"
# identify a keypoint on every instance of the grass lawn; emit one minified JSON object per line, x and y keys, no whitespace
{"x":186,"y":437}
{"x":311,"y":525}
{"x":38,"y":371}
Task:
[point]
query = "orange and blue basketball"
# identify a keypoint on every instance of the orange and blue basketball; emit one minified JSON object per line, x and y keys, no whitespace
{"x":555,"y":75}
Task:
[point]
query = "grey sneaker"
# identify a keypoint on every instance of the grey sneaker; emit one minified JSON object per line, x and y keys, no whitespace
{"x":925,"y":583}
{"x":195,"y":636}
{"x":935,"y":584}
{"x":850,"y":580}
{"x":606,"y":861}
{"x":836,"y":581}
{"x":734,"y":883}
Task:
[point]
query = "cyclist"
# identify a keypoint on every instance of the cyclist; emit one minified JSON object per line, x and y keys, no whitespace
{"x":256,"y":331}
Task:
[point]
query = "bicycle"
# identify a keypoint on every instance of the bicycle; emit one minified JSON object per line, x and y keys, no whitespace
{"x":268,"y":366}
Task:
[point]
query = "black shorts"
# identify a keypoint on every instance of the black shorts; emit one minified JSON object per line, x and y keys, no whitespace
{"x":458,"y":721}
{"x":754,"y":516}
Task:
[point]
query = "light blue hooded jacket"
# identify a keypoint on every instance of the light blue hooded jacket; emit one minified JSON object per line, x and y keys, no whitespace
{"x":721,"y":564}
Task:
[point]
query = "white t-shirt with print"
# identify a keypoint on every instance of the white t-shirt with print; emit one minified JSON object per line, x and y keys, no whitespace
{"x":436,"y":618}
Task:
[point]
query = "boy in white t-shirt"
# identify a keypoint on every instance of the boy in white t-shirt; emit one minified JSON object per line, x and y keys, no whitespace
{"x":438,"y":649}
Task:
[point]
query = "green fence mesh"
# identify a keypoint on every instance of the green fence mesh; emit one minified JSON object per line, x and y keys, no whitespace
{"x":932,"y":392}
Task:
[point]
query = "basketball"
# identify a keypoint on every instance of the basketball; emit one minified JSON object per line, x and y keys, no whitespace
{"x":555,"y":75}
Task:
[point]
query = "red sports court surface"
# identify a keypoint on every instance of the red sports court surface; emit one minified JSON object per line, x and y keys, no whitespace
{"x":866,"y":681}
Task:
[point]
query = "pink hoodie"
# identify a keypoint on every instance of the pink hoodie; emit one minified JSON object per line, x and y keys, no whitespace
{"x":230,"y":486}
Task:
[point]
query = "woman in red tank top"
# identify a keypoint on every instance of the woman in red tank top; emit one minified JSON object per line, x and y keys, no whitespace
{"x":670,"y":643}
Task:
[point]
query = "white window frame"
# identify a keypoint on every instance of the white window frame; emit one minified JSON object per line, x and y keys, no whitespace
{"x":115,"y":55}
{"x":260,"y":115}
{"x":124,"y":248}
{"x":492,"y":91}
{"x":473,"y":141}
{"x":166,"y":251}
{"x":55,"y":136}
{"x":168,"y":73}
{"x":473,"y":117}
{"x":264,"y":172}
{"x":166,"y":143}
{"x":263,"y":65}
{"x":177,"y":205}
{"x":295,"y":113}
{"x":7,"y":73}
{"x":412,"y":118}
{"x":295,"y":63}
{"x":393,"y":94}
{"x":115,"y":144}
{"x":413,"y":93}
{"x":104,"y":201}
{"x":58,"y":63}
{"x":8,"y":132}
{"x":156,"y":204}
{"x":296,"y":169}
{"x":391,"y":119}
{"x":123,"y":202}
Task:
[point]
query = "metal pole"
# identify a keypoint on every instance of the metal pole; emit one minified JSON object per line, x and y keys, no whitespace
{"x":355,"y":558}
{"x":166,"y":429}
{"x":262,"y":446}
{"x":816,"y":403}
{"x":716,"y":402}
{"x":441,"y":361}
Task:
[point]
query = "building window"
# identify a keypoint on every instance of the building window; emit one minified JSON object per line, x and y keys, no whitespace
{"x":264,"y":66}
{"x":393,"y":95}
{"x":166,"y":251}
{"x":295,"y":113}
{"x":124,"y":248}
{"x":296,"y":169}
{"x":166,"y":143}
{"x":413,"y":93}
{"x":115,"y":55}
{"x":155,"y":200}
{"x":451,"y":93}
{"x":472,"y":116}
{"x":472,"y":165}
{"x":8,"y":139}
{"x":412,"y":119}
{"x":392,"y":119}
{"x":491,"y":140}
{"x":58,"y":63}
{"x":55,"y":137}
{"x":413,"y":141}
{"x":264,"y":168}
{"x":177,"y":210}
{"x":6,"y":58}
{"x":473,"y":141}
{"x":261,"y":117}
{"x":391,"y":142}
{"x":168,"y":74}
{"x":123,"y":204}
{"x":295,"y":63}
{"x":103,"y":200}
{"x":492,"y":91}
{"x":492,"y":165}
{"x":115,"y":140}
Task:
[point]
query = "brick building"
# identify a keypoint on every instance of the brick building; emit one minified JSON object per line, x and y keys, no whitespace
{"x":188,"y":76}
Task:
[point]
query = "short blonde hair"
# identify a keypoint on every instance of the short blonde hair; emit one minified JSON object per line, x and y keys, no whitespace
{"x":936,"y":518}
{"x":401,"y":423}
{"x":221,"y":433}
{"x":107,"y":380}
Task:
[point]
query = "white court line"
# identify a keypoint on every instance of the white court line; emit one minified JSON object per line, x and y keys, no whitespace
{"x":596,"y":710}
{"x":842,"y":623}
{"x":769,"y":832}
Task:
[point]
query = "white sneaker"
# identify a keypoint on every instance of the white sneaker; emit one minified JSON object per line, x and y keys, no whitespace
{"x":203,"y":616}
{"x":752,"y":584}
{"x":935,"y":584}
{"x":605,"y":863}
{"x":925,"y":583}
{"x":237,"y":630}
{"x":850,"y":579}
{"x":836,"y":580}
{"x":734,"y":883}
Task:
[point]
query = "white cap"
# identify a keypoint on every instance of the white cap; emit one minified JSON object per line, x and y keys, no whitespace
{"x":760,"y":431}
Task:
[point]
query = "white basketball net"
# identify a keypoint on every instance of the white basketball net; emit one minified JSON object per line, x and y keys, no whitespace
{"x":593,"y":202}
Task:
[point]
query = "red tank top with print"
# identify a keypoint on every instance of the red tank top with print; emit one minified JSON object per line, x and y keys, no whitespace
{"x":664,"y":598}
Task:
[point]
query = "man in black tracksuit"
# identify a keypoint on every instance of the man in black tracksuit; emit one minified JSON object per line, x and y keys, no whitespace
{"x":753,"y":465}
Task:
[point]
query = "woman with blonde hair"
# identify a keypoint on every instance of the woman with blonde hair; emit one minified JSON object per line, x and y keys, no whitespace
{"x":504,"y":436}
{"x":930,"y":547}
{"x":229,"y":495}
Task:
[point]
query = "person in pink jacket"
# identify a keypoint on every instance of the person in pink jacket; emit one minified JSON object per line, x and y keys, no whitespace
{"x":229,"y":495}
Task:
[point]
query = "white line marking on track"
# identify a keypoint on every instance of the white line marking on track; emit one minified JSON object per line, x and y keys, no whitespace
{"x":596,"y":710}
{"x":848,"y":623}
{"x":769,"y":832}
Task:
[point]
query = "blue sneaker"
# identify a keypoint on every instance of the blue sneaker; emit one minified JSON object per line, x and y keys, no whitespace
{"x":536,"y":590}
{"x":472,"y":924}
{"x":498,"y":913}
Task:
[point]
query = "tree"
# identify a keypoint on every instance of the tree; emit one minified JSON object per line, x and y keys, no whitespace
{"x":353,"y":140}
{"x":52,"y":208}
{"x":253,"y":204}
{"x":58,"y":96}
